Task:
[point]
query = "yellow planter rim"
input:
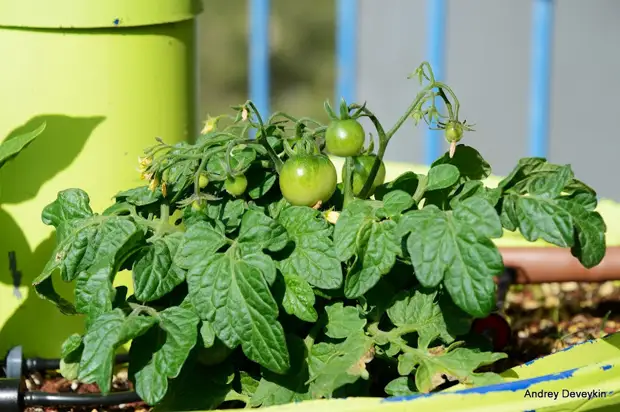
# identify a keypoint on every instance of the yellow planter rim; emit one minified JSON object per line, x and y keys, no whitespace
{"x":81,"y":14}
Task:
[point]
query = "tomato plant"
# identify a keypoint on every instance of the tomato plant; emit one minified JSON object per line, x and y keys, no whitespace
{"x":302,"y":291}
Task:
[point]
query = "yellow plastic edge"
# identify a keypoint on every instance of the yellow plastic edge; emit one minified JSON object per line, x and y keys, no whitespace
{"x":80,"y":14}
{"x":591,"y":368}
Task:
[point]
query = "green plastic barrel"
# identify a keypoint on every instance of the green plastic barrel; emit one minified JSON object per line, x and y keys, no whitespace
{"x":108,"y":77}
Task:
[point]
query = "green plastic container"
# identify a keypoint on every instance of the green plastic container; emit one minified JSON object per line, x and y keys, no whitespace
{"x":107,"y":76}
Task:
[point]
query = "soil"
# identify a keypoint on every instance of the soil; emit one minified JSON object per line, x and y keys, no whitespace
{"x":544,"y":319}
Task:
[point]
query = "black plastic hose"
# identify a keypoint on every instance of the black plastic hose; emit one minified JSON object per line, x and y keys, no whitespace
{"x":78,"y":399}
{"x":43,"y":364}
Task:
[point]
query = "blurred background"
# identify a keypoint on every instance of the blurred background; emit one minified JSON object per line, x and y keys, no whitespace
{"x":537,"y":77}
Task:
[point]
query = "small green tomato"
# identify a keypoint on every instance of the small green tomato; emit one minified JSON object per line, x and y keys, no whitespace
{"x":453,"y":131}
{"x":236,"y":186}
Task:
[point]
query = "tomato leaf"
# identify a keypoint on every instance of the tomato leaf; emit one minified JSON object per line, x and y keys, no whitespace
{"x":355,"y":216}
{"x":376,"y":255}
{"x":407,"y":182}
{"x":104,"y":336}
{"x":443,"y":247}
{"x":277,"y":389}
{"x":334,"y":365}
{"x":343,"y":321}
{"x":260,"y":182}
{"x":197,"y":388}
{"x":200,"y":242}
{"x":69,"y":205}
{"x":313,"y":257}
{"x":140,"y":196}
{"x":458,"y":364}
{"x":156,"y":273}
{"x":442,"y":176}
{"x":258,"y":231}
{"x":421,"y":311}
{"x":94,"y":292}
{"x":396,"y":202}
{"x":70,"y":354}
{"x":298,"y":298}
{"x":234,"y":296}
{"x":468,"y":161}
{"x":478,"y":213}
{"x":159,"y":354}
{"x":402,"y":386}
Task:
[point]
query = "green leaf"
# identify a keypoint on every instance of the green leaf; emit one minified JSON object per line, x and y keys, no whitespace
{"x":12,"y":146}
{"x":479,"y":214}
{"x":241,"y":158}
{"x":69,"y":204}
{"x":343,"y":321}
{"x":140,"y":196}
{"x":403,"y":386}
{"x":156,"y":272}
{"x":90,"y":241}
{"x":442,"y":247}
{"x":197,"y":388}
{"x":356,"y":215}
{"x":200,"y":242}
{"x":421,"y":311}
{"x":458,"y":364}
{"x":258,"y":232}
{"x":407,"y":182}
{"x":313,"y":257}
{"x":94,"y":292}
{"x":82,"y":243}
{"x":235,"y":298}
{"x":589,"y":246}
{"x":207,"y":333}
{"x":469,"y":162}
{"x":263,"y":263}
{"x":70,"y":355}
{"x":299,"y":298}
{"x":276,"y":389}
{"x":224,"y":211}
{"x":442,"y":176}
{"x":104,"y":336}
{"x":160,"y":354}
{"x":334,"y":365}
{"x":542,"y":218}
{"x":376,"y":255}
{"x":396,"y":202}
{"x":249,"y":385}
{"x":260,"y":182}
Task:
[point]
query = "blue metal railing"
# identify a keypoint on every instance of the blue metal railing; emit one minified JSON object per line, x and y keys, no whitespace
{"x":346,"y":58}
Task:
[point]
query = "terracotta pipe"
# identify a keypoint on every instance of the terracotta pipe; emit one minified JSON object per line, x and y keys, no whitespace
{"x":547,"y":265}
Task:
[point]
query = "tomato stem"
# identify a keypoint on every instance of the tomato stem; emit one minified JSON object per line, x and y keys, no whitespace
{"x":347,"y":179}
{"x":262,"y":138}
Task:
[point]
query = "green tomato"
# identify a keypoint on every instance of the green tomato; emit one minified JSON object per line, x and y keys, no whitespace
{"x":197,"y":205}
{"x":308,"y":179}
{"x":361,"y":171}
{"x":214,"y":355}
{"x":203,"y":180}
{"x":344,"y":138}
{"x":453,"y":131}
{"x":236,"y":186}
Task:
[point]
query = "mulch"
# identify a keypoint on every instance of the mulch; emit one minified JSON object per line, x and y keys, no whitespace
{"x":544,"y":319}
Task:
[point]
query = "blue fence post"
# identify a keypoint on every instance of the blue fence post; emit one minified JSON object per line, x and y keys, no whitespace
{"x":435,"y":37}
{"x":346,"y":50}
{"x":259,"y":55}
{"x":540,"y":72}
